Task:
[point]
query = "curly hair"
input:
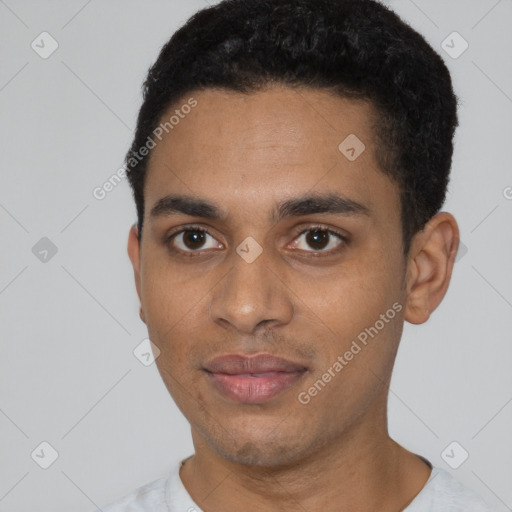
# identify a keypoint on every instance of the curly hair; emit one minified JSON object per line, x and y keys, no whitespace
{"x":354,"y":48}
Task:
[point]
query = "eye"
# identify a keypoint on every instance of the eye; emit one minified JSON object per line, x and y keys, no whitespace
{"x":316,"y":239}
{"x":320,"y":239}
{"x":193,"y":239}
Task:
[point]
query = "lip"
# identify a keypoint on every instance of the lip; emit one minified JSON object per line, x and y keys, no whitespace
{"x":253,"y":379}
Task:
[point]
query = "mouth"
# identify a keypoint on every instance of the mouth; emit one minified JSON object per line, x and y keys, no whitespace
{"x":255,"y":379}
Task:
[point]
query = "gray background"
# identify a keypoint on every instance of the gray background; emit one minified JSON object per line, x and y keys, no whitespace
{"x":68,"y":375}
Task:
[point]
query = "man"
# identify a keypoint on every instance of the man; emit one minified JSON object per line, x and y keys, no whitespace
{"x":289,"y":165}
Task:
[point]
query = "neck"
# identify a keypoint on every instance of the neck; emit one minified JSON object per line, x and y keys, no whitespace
{"x":365,"y":470}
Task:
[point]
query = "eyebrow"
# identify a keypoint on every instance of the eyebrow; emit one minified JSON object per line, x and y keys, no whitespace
{"x":295,"y":207}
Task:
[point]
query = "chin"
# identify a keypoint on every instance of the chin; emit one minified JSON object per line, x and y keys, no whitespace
{"x":258,"y":454}
{"x":270,"y":447}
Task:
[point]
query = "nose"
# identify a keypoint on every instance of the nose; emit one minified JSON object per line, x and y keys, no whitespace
{"x":251,"y":295}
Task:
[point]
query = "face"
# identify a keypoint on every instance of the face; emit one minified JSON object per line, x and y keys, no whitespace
{"x":271,"y":273}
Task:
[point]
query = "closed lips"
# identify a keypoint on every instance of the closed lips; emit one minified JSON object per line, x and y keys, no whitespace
{"x":258,"y":365}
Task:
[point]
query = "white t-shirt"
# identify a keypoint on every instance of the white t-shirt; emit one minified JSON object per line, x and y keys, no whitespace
{"x":441,"y":493}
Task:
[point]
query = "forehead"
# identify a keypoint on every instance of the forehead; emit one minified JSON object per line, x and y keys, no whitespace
{"x":289,"y":121}
{"x":259,"y":148}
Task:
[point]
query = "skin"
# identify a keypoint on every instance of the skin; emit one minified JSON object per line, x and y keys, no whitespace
{"x":247,"y":153}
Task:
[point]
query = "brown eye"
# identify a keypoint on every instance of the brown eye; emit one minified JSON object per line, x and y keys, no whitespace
{"x":193,"y":240}
{"x":319,"y":240}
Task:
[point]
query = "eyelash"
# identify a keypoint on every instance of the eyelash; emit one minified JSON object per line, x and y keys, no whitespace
{"x":317,"y":227}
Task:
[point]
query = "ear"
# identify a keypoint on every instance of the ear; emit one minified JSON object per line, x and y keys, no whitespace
{"x":429,"y":266}
{"x":134,"y":254}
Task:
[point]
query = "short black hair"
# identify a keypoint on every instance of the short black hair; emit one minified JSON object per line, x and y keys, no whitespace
{"x":354,"y":48}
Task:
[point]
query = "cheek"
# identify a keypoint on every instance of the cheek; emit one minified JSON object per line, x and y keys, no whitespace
{"x":364,"y":323}
{"x":171,"y":306}
{"x":359,"y":311}
{"x":355,"y":295}
{"x":167,"y":296}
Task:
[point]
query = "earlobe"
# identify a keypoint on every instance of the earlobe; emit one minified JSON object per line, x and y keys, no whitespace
{"x":430,"y":266}
{"x":134,"y":255}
